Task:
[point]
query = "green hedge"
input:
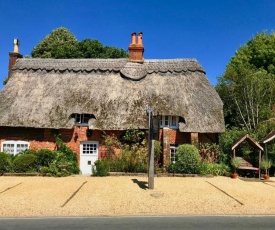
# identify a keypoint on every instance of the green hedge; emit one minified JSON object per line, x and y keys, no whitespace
{"x":5,"y":162}
{"x":25,"y":163}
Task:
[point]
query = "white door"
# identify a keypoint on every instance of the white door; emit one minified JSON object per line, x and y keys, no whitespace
{"x":88,"y":155}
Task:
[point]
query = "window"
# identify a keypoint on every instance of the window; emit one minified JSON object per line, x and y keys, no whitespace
{"x":89,"y":148}
{"x":173,"y":151}
{"x":169,"y":121}
{"x":14,"y":147}
{"x":82,"y":119}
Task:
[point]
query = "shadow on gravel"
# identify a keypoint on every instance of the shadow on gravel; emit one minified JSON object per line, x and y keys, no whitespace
{"x":141,"y":184}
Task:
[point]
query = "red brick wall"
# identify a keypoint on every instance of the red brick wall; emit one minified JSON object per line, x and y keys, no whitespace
{"x":12,"y":60}
{"x":176,"y":137}
{"x":44,"y":138}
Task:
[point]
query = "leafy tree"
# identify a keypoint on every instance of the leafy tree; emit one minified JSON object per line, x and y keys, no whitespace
{"x":94,"y":49}
{"x":5,"y":81}
{"x":61,"y":43}
{"x":247,"y":87}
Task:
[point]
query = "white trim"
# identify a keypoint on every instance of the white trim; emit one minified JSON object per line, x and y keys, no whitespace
{"x":88,"y":142}
{"x":174,"y":148}
{"x":168,"y":120}
{"x":15,"y":143}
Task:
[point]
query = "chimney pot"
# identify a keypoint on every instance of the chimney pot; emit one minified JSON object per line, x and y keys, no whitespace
{"x":16,"y":43}
{"x":136,"y":48}
{"x":134,"y":38}
{"x":14,"y":56}
{"x":140,"y":38}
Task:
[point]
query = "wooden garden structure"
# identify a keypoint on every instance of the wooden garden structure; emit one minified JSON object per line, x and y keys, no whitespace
{"x":267,"y":139}
{"x":245,"y":164}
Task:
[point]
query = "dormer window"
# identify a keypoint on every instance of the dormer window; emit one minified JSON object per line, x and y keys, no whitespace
{"x":169,"y":121}
{"x":82,"y":119}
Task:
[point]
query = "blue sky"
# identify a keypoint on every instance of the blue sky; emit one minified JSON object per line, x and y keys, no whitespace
{"x":208,"y":30}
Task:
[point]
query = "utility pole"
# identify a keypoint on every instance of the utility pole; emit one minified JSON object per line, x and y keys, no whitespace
{"x":151,"y":150}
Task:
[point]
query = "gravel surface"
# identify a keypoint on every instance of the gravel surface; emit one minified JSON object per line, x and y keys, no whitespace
{"x":111,"y":196}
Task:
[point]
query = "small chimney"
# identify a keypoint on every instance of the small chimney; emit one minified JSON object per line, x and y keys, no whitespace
{"x":136,"y":48}
{"x":14,"y":56}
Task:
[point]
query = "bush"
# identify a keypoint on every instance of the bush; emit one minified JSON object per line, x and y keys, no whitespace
{"x":213,"y":168}
{"x":45,"y":157}
{"x":188,"y":159}
{"x":25,"y":163}
{"x":61,"y":166}
{"x":101,"y":168}
{"x":62,"y":147}
{"x":5,"y":162}
{"x":44,"y":169}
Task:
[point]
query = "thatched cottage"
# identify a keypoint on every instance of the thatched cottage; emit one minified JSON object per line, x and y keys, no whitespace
{"x":82,"y":98}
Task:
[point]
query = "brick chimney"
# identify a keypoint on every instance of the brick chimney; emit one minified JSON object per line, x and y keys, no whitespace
{"x":14,"y":56}
{"x":136,"y":48}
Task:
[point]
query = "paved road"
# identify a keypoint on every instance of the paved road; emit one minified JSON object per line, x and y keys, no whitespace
{"x":144,"y":223}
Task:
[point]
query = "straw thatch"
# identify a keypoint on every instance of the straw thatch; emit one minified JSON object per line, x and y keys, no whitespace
{"x":44,"y":93}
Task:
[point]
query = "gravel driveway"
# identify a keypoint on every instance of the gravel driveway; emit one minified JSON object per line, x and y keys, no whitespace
{"x":86,"y":196}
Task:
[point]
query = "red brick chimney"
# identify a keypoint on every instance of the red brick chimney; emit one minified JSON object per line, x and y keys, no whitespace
{"x":14,"y":56}
{"x":136,"y":48}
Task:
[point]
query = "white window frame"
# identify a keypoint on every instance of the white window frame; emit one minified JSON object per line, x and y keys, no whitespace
{"x":167,"y":121}
{"x":79,"y":118}
{"x":173,"y":152}
{"x":87,"y":152}
{"x":15,"y":143}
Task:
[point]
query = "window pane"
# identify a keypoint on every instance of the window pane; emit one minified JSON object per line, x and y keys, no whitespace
{"x":86,"y":118}
{"x":173,"y":151}
{"x":89,"y":149}
{"x":78,"y":118}
{"x":8,"y":148}
{"x":166,"y":121}
{"x":21,"y":147}
{"x":173,"y":121}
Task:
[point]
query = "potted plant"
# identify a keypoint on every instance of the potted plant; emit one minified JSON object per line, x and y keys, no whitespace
{"x":265,"y":165}
{"x":235,"y":162}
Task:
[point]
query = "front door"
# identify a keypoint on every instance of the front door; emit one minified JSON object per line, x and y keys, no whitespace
{"x":88,"y":156}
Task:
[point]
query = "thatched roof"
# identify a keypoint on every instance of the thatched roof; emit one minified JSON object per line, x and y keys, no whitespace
{"x":44,"y":93}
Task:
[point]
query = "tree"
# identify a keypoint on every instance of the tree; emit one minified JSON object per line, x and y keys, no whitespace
{"x":94,"y":49}
{"x":247,"y":87}
{"x":61,"y":43}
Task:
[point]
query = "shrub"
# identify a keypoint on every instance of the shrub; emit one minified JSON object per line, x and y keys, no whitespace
{"x":213,"y":168}
{"x":62,"y":147}
{"x":61,"y":166}
{"x":188,"y":159}
{"x":45,"y":157}
{"x":101,"y":168}
{"x":25,"y":163}
{"x":5,"y":162}
{"x":44,"y":169}
{"x":209,"y":152}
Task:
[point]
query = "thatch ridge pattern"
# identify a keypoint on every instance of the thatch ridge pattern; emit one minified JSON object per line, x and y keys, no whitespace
{"x":128,"y":69}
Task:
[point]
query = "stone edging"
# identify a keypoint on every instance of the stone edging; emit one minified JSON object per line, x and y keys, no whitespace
{"x":159,"y":174}
{"x":115,"y":174}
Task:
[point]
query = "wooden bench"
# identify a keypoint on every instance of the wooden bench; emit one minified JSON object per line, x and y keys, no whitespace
{"x":246,"y":165}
